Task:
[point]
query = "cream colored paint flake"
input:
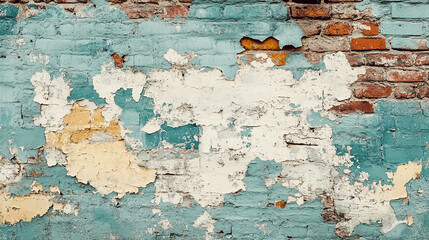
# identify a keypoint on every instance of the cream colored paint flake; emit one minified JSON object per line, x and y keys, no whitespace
{"x":25,"y":208}
{"x":106,"y":163}
{"x":108,"y":167}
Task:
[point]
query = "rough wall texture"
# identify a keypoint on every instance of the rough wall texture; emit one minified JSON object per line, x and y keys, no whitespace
{"x":241,"y":119}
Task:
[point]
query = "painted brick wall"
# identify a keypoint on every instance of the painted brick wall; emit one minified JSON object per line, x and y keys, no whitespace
{"x":181,"y":119}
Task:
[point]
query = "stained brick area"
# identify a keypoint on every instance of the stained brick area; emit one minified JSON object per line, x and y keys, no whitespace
{"x":395,"y":54}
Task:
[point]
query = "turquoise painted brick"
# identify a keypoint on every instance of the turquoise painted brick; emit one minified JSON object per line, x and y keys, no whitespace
{"x":408,"y":43}
{"x":143,"y":60}
{"x":56,"y":45}
{"x":401,"y":155}
{"x":248,"y":12}
{"x":401,"y":28}
{"x":196,"y":43}
{"x":82,"y":62}
{"x":8,"y":11}
{"x":7,"y":93}
{"x":279,"y":12}
{"x":10,"y":114}
{"x":208,"y":12}
{"x":411,"y":11}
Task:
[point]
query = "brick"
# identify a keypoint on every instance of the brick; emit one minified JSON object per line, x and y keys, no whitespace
{"x":409,"y":44}
{"x":338,"y":28}
{"x":314,"y":58}
{"x":362,"y":106}
{"x":310,"y":28}
{"x":423,"y":91}
{"x":422,"y":59}
{"x":355,"y":59}
{"x":267,"y":44}
{"x":404,"y":92}
{"x":119,"y":61}
{"x":349,"y":11}
{"x":372,"y":91}
{"x":412,"y":11}
{"x":389,"y":59}
{"x":363,"y":44}
{"x":174,"y":11}
{"x":135,"y":12}
{"x":373,"y":29}
{"x":401,"y":28}
{"x":325,"y":44}
{"x":311,"y":11}
{"x":405,"y":76}
{"x":373,"y":74}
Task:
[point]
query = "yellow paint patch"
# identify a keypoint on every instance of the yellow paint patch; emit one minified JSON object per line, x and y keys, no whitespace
{"x":108,"y":165}
{"x":404,"y":173}
{"x":25,"y":208}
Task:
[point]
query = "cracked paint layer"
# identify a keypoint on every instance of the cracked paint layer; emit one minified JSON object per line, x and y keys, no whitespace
{"x":96,"y":154}
{"x":25,"y":208}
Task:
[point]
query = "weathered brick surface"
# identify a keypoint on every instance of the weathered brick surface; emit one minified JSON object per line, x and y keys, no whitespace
{"x":198,"y":119}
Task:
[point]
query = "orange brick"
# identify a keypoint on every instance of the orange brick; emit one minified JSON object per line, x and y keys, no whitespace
{"x":372,"y":91}
{"x":361,"y":44}
{"x":339,"y":28}
{"x":422,"y":59}
{"x":119,"y":61}
{"x":406,"y":76}
{"x":311,"y":11}
{"x":267,"y":44}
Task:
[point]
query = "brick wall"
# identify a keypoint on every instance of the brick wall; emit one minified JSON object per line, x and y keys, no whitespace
{"x":257,"y":119}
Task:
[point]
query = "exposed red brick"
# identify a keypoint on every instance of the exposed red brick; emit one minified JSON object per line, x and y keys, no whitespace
{"x":362,"y":44}
{"x":119,"y":61}
{"x":372,"y":91}
{"x":406,"y":76}
{"x":362,"y":106}
{"x":422,"y":59}
{"x":311,"y":11}
{"x":423,"y":91}
{"x":372,"y":31}
{"x":174,"y":11}
{"x":405,"y":92}
{"x":314,"y":58}
{"x":355,"y":59}
{"x":135,"y":12}
{"x":373,"y":74}
{"x":310,"y":28}
{"x":338,"y":28}
{"x":389,"y":59}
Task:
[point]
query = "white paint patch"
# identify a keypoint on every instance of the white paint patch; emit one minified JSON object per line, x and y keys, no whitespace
{"x":207,"y":222}
{"x":111,"y":80}
{"x":52,"y":96}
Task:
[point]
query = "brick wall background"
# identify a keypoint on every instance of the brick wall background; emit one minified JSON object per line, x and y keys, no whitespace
{"x":258,"y":119}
